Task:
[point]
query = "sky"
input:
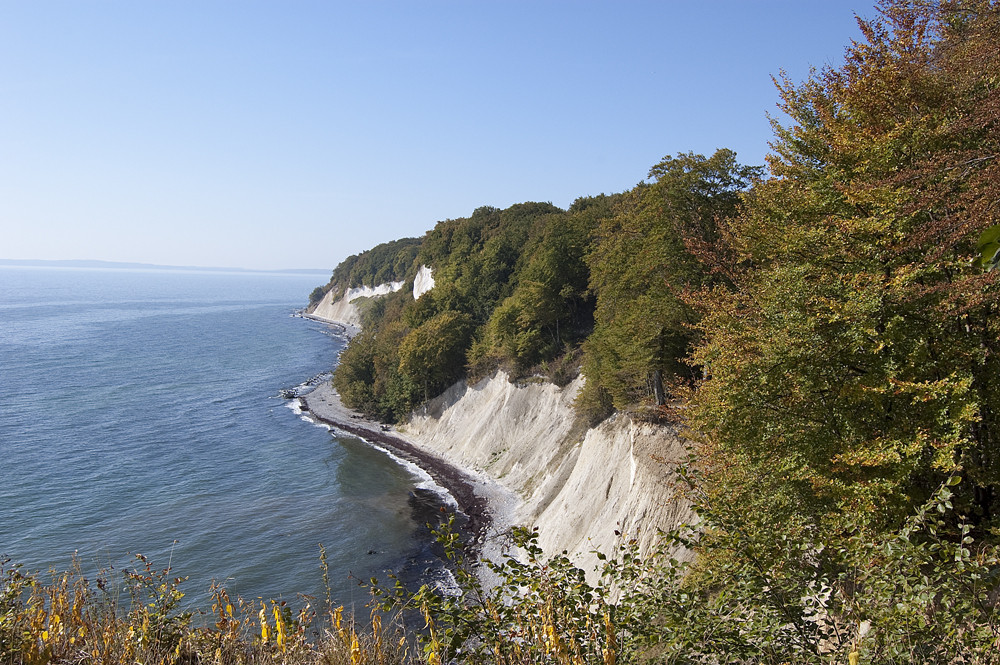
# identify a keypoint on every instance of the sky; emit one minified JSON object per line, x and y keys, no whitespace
{"x":294,"y":133}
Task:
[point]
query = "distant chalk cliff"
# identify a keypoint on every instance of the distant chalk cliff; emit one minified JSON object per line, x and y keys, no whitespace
{"x":423,"y":282}
{"x":342,"y":306}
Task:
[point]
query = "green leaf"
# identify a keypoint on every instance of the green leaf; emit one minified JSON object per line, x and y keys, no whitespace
{"x":990,"y":236}
{"x":989,"y":248}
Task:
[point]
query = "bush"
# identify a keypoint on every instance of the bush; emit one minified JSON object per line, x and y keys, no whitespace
{"x":921,"y":594}
{"x":540,"y":610}
{"x":926,"y":593}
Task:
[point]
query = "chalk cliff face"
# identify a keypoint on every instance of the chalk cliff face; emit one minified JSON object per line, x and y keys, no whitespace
{"x":343,"y":309}
{"x":423,"y":282}
{"x":577,"y":485}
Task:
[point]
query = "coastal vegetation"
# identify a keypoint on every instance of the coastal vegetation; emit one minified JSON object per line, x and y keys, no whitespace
{"x":825,"y":332}
{"x":916,"y":595}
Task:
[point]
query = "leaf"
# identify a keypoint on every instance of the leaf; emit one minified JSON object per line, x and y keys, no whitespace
{"x":990,"y":236}
{"x":989,"y":248}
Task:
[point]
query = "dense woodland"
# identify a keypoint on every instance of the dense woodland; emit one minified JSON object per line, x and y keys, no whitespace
{"x":824,"y":322}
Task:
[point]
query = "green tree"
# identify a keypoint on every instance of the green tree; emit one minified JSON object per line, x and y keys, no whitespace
{"x":354,"y":378}
{"x":850,"y":365}
{"x":641,"y":262}
{"x":391,"y":261}
{"x":551,"y":307}
{"x":433,"y":355}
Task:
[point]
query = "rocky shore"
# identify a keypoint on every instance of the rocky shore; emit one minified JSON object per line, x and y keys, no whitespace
{"x":487,"y":505}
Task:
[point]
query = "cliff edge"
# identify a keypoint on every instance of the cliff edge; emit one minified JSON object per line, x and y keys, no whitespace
{"x":341,"y":307}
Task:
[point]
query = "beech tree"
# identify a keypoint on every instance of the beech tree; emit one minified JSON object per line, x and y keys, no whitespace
{"x":640,"y":264}
{"x":551,"y":308}
{"x":852,"y":365}
{"x":433,"y":355}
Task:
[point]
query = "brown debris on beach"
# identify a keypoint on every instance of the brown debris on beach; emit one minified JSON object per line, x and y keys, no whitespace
{"x":324,"y":405}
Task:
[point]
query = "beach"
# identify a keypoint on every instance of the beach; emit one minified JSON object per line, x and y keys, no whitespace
{"x":487,"y":504}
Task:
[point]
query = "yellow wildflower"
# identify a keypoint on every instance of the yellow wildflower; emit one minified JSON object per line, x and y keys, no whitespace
{"x":279,"y":628}
{"x":263,"y":626}
{"x":355,"y":649}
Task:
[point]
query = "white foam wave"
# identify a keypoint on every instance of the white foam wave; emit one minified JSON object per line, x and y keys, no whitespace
{"x":424,"y":479}
{"x":447,"y":584}
{"x":296,"y":407}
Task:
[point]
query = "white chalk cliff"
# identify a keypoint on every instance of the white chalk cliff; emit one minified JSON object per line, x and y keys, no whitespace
{"x":577,"y":485}
{"x":342,"y":308}
{"x":423,"y":282}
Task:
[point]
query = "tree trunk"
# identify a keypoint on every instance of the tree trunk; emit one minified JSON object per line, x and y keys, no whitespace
{"x":658,"y":387}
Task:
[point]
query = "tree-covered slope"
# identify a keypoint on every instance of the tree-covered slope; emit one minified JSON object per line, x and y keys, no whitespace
{"x":534,"y":288}
{"x":410,"y":350}
{"x":827,"y":332}
{"x":389,"y":262}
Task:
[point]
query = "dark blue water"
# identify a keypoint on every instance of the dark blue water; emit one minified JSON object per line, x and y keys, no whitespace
{"x":140,"y":412}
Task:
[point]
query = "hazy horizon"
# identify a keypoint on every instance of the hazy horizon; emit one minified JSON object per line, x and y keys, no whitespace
{"x":98,"y":264}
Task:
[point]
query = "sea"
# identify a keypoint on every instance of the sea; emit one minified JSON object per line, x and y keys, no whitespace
{"x":147,"y":412}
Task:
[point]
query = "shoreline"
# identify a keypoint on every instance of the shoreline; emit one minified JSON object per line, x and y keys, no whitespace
{"x":519,"y":449}
{"x":346,"y":329}
{"x":478,"y":499}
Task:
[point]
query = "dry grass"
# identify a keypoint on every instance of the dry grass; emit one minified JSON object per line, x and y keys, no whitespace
{"x":138,"y":619}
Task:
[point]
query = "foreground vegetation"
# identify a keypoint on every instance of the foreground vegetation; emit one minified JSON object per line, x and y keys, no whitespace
{"x":138,"y":618}
{"x":920,"y":595}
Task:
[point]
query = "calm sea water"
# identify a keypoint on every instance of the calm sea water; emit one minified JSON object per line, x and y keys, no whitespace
{"x":140,"y":413}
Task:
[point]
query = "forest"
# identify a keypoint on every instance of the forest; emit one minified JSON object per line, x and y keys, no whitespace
{"x":828,"y":321}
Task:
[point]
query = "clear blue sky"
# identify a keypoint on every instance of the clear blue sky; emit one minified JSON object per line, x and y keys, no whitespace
{"x":291,"y":134}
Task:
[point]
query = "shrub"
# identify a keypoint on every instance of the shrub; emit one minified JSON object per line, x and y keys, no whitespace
{"x":921,"y":594}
